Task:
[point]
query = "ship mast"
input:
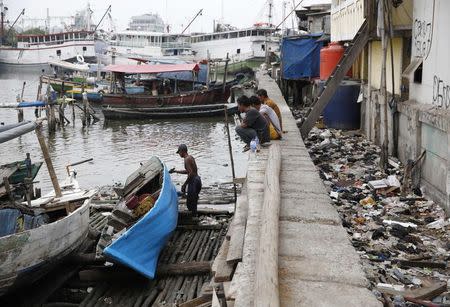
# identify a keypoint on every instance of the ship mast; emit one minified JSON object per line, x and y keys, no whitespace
{"x":270,"y":12}
{"x":2,"y":30}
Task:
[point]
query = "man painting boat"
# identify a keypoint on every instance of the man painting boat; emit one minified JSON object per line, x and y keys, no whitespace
{"x":193,"y":182}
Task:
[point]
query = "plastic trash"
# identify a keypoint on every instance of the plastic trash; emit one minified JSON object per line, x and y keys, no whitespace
{"x":254,"y":144}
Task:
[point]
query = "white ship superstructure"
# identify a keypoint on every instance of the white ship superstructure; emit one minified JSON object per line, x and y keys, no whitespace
{"x":145,"y":39}
{"x":74,"y":43}
{"x":36,"y":50}
{"x":240,"y":44}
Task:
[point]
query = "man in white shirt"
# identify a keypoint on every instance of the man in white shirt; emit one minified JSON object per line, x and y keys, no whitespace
{"x":271,"y":117}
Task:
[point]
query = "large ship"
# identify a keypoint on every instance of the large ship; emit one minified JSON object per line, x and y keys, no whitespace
{"x":242,"y":45}
{"x":36,"y":50}
{"x":146,"y":40}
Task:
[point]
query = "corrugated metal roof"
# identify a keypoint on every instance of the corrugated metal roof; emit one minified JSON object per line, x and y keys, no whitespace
{"x":151,"y":69}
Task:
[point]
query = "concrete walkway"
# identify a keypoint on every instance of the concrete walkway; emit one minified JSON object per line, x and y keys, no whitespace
{"x":317,"y":264}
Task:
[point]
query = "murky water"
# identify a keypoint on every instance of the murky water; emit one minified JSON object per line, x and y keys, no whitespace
{"x":117,"y":147}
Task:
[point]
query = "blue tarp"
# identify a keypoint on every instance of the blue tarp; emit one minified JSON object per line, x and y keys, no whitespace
{"x":300,"y":57}
{"x":139,"y":247}
{"x":31,"y":104}
{"x":186,"y":75}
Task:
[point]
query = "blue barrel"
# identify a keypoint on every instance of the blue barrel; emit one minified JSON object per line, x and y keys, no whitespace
{"x":343,"y":111}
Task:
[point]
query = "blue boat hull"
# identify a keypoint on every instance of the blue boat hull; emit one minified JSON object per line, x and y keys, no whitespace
{"x":139,"y":247}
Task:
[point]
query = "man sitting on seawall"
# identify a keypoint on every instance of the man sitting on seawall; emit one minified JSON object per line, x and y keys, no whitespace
{"x":262,"y":95}
{"x":254,"y":124}
{"x":270,"y":116}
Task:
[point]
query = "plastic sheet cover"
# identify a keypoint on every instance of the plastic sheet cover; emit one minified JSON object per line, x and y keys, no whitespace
{"x":139,"y":247}
{"x":300,"y":57}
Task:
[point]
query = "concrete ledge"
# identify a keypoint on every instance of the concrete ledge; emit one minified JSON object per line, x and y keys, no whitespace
{"x":295,"y":292}
{"x":317,"y":264}
{"x":319,"y":252}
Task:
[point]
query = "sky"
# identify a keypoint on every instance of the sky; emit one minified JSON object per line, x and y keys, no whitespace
{"x":240,"y":13}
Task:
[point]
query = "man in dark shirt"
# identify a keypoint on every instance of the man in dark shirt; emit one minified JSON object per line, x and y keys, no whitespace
{"x":193,"y":181}
{"x":254,"y":124}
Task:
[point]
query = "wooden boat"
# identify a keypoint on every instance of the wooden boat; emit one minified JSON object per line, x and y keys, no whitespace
{"x":143,"y":220}
{"x":57,"y":83}
{"x":211,"y":110}
{"x":36,"y":234}
{"x":34,"y":239}
{"x":162,"y":95}
{"x":16,"y":173}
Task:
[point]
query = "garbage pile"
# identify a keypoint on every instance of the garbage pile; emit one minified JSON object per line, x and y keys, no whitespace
{"x":402,"y":238}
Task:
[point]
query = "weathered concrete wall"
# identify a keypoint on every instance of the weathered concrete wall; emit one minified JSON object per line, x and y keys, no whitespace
{"x":430,"y":41}
{"x":423,"y":120}
{"x":422,"y":127}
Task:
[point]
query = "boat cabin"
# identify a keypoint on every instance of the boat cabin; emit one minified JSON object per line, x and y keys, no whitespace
{"x":27,"y":41}
{"x":170,"y":44}
{"x":150,"y":78}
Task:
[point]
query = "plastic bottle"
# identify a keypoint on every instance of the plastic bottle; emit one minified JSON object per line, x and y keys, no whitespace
{"x":258,"y":146}
{"x":253,"y":144}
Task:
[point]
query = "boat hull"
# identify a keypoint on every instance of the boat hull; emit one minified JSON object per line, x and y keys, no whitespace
{"x":139,"y":247}
{"x":194,"y":98}
{"x":28,"y":255}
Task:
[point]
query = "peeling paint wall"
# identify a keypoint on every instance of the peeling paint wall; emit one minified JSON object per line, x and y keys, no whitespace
{"x":431,"y":42}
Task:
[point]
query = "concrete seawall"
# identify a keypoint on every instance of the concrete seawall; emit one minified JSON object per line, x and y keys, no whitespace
{"x":317,"y":265}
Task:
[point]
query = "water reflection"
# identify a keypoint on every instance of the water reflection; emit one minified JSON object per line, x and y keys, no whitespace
{"x":118,"y":147}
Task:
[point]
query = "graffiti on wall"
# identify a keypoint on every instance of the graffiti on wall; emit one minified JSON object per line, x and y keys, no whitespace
{"x":423,"y":32}
{"x":441,"y":93}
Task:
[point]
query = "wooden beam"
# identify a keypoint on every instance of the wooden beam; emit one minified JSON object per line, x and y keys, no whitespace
{"x":48,"y":161}
{"x":221,"y":269}
{"x":266,"y":284}
{"x":237,"y":229}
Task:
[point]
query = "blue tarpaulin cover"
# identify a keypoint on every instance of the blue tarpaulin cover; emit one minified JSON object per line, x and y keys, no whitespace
{"x":31,"y":104}
{"x":139,"y":247}
{"x":300,"y":57}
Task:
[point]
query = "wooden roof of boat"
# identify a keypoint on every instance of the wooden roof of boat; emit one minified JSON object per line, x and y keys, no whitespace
{"x":151,"y":69}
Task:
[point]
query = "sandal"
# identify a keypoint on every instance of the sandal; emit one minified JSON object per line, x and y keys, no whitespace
{"x":246,"y":148}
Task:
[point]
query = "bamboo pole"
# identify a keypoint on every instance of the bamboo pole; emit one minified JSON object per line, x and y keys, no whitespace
{"x":208,"y":70}
{"x":48,"y":161}
{"x":231,"y":155}
{"x":266,"y":286}
{"x":225,"y":74}
{"x":385,"y":151}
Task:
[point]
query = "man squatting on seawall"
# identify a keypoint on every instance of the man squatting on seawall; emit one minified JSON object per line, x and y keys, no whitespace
{"x":260,"y":120}
{"x":193,"y":181}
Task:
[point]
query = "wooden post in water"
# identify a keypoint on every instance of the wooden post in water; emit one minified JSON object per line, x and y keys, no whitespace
{"x":48,"y":161}
{"x":208,"y":69}
{"x":73,"y":112}
{"x":38,"y":96}
{"x":225,"y":74}
{"x":20,"y":110}
{"x":28,"y":189}
{"x":8,"y":189}
{"x":231,"y":154}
